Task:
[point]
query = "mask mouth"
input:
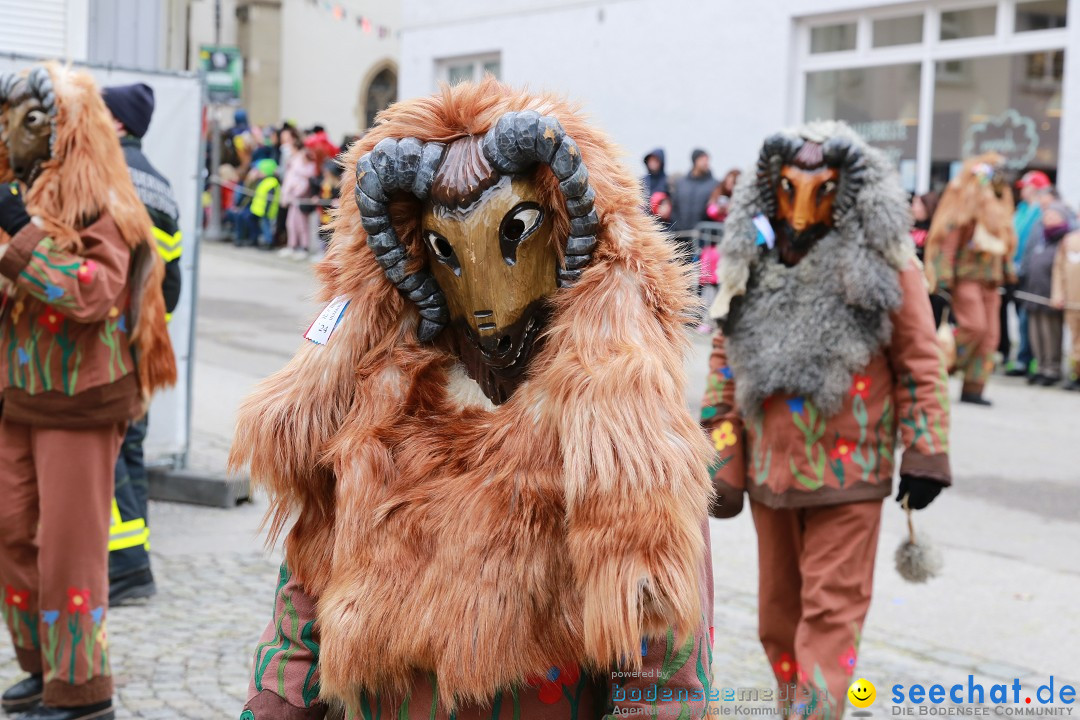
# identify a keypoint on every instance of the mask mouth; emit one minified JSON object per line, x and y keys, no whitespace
{"x":794,"y":246}
{"x":498,"y":361}
{"x":27,"y":175}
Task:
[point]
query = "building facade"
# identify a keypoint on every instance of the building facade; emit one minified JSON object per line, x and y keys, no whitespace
{"x":310,"y":61}
{"x":929,"y":82}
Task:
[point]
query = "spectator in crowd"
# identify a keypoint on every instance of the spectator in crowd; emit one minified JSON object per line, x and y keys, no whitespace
{"x":268,"y":146}
{"x":265,"y":201}
{"x":1033,"y":187}
{"x":328,"y":198}
{"x":295,"y":200}
{"x":1065,"y":295}
{"x":689,"y":201}
{"x":290,"y":143}
{"x":238,"y":144}
{"x":320,"y":143}
{"x":717,"y":209}
{"x":710,"y":261}
{"x":1044,"y":320}
{"x":130,"y":577}
{"x":922,"y":210}
{"x":655,"y":179}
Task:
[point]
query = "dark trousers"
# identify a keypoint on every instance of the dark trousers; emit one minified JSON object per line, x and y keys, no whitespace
{"x":129,"y":535}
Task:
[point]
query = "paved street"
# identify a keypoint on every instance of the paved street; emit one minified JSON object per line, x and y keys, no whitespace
{"x":1005,"y":607}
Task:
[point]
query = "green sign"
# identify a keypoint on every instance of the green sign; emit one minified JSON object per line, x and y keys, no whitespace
{"x":224,"y":68}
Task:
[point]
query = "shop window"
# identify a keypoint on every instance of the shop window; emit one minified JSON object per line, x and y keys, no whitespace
{"x":971,"y":23}
{"x":1041,"y":15}
{"x":1010,"y":104}
{"x":880,"y":103}
{"x":898,"y":31}
{"x":832,"y":38}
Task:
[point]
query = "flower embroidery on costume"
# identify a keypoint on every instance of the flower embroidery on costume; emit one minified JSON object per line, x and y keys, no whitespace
{"x":724,"y":436}
{"x":796,"y":405}
{"x":785,"y":667}
{"x":50,"y":320}
{"x":113,"y":311}
{"x":24,"y":357}
{"x":551,"y":685}
{"x":86,"y":271}
{"x":78,"y":600}
{"x":17,"y":598}
{"x":53,"y":292}
{"x":726,"y":372}
{"x":96,"y":613}
{"x":860,"y":386}
{"x":847,"y":660}
{"x":842,"y":450}
{"x":49,"y":617}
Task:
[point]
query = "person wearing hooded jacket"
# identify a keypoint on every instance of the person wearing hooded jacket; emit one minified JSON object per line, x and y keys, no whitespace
{"x":655,"y":179}
{"x":130,"y":576}
{"x":690,"y":200}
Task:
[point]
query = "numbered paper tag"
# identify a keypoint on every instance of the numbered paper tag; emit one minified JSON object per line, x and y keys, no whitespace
{"x":327,"y":322}
{"x":765,"y":234}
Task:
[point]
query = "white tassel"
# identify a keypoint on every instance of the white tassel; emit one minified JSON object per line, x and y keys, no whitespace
{"x":919,"y":561}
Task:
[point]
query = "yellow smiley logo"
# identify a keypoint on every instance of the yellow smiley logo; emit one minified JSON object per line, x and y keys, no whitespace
{"x":862,"y":693}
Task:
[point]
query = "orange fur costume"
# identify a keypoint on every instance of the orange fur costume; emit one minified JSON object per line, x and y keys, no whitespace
{"x":486,"y":544}
{"x":85,"y":177}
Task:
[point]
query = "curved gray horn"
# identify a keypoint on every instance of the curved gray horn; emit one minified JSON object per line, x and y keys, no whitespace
{"x":841,"y":153}
{"x":405,"y":165}
{"x":7,"y":84}
{"x":522,"y":139}
{"x":775,"y":151}
{"x":41,"y":85}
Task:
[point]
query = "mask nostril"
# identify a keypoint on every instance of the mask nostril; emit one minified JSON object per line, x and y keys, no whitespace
{"x":504,"y":343}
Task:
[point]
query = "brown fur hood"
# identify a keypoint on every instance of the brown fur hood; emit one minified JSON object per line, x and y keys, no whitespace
{"x":481,"y":543}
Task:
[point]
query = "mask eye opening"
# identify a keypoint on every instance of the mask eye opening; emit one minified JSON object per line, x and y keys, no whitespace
{"x":517,"y":226}
{"x":442,"y":250}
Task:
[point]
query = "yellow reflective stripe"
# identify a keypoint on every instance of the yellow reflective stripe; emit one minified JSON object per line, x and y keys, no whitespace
{"x":125,"y":534}
{"x":168,"y":317}
{"x":169,"y":246}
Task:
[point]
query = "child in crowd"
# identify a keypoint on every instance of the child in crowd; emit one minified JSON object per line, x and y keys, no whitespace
{"x":1065,"y":295}
{"x":265,"y":201}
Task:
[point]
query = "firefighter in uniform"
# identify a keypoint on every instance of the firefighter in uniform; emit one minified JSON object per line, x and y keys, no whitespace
{"x":129,"y":534}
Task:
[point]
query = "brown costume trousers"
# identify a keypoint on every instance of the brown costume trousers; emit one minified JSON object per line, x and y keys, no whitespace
{"x":816,"y":573}
{"x":976,"y":307}
{"x":57,"y":489}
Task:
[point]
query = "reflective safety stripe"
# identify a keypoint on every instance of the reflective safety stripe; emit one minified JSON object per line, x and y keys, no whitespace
{"x":169,"y":247}
{"x":125,"y":534}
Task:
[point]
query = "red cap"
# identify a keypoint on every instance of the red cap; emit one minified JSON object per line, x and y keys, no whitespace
{"x":1035,"y":178}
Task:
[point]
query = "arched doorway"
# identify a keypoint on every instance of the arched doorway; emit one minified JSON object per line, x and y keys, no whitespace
{"x":381,"y":92}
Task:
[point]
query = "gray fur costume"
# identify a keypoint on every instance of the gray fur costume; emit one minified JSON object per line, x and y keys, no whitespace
{"x":807,"y":329}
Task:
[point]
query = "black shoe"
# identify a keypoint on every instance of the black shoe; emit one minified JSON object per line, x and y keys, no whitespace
{"x":1049,"y":381}
{"x":136,"y":585}
{"x":975,"y":399}
{"x":97,"y":711}
{"x":1073,"y":386}
{"x":1016,"y":372}
{"x":1034,"y":378}
{"x":23,"y":695}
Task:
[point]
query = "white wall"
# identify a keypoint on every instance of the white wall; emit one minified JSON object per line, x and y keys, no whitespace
{"x":326,"y":63}
{"x":719,"y":74}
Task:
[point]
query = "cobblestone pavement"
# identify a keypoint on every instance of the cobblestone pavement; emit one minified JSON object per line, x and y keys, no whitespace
{"x":185,"y":654}
{"x":1004,"y":608}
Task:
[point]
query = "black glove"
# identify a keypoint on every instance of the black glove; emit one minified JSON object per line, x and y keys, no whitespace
{"x":920,"y":491}
{"x":13,"y":216}
{"x":941,"y":303}
{"x":727,"y":504}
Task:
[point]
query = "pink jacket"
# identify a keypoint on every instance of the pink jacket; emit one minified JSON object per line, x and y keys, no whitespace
{"x":298,"y":174}
{"x":710,"y":258}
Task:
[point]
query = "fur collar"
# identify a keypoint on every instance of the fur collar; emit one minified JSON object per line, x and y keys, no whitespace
{"x":806,"y":330}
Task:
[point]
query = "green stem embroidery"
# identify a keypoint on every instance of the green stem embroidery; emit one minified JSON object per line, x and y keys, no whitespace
{"x":75,"y":628}
{"x":88,"y":650}
{"x":813,"y":429}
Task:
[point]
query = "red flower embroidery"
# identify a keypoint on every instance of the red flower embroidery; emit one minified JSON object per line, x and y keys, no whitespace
{"x":17,"y":598}
{"x":50,"y":320}
{"x":785,"y":668}
{"x":860,"y":386}
{"x":86,"y":271}
{"x":78,"y":600}
{"x":551,"y":685}
{"x":842,"y":450}
{"x":847,"y":660}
